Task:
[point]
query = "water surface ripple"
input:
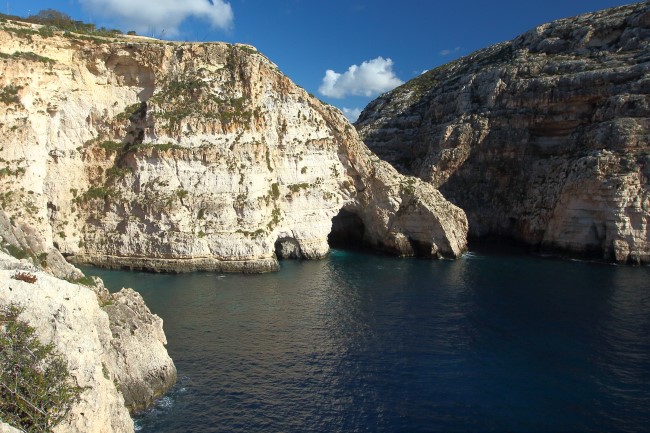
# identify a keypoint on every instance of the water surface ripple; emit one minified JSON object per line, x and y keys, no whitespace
{"x":362,"y":343}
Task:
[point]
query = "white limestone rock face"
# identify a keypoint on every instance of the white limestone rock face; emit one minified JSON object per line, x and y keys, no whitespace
{"x":138,"y":358}
{"x":542,"y":139}
{"x":25,"y":244}
{"x":69,"y":316}
{"x":179,"y":157}
{"x":603,"y":205}
{"x":114,"y":346}
{"x":401,"y":214}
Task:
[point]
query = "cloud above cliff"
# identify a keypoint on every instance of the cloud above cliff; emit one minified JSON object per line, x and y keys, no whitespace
{"x":352,"y":114}
{"x":371,"y":78}
{"x":448,"y":51}
{"x":148,"y":16}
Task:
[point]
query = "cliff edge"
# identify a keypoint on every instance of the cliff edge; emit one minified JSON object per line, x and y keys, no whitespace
{"x":543,"y":139}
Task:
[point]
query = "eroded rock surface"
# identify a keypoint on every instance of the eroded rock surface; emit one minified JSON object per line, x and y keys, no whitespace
{"x":69,"y":316}
{"x":543,"y":139}
{"x":113,"y":345}
{"x":140,"y":362}
{"x":24,"y":243}
{"x":166,"y":156}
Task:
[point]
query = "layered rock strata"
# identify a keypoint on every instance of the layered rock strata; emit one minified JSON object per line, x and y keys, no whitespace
{"x":543,"y":139}
{"x":145,"y":154}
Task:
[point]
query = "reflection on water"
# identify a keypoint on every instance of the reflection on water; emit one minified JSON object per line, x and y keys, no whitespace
{"x":369,"y":343}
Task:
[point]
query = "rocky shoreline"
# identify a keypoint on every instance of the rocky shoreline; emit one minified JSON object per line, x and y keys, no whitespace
{"x":113,"y":345}
{"x":133,"y":153}
{"x":176,"y":265}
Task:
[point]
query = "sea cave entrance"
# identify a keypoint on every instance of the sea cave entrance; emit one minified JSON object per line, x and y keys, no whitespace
{"x":347,"y":232}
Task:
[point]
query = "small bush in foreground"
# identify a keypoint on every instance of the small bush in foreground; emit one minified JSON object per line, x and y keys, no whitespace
{"x":36,"y":388}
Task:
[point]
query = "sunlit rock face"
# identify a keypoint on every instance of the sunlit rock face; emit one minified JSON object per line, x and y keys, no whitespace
{"x":543,"y":139}
{"x":117,"y":370}
{"x":112,"y":344}
{"x":145,"y":154}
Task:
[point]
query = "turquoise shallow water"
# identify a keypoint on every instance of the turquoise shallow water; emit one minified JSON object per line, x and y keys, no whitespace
{"x":369,"y":343}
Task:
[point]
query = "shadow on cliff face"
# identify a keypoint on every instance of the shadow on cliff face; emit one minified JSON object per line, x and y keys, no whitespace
{"x":503,"y":245}
{"x":347,"y":231}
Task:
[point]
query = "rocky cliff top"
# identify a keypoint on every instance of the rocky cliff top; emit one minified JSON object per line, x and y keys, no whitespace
{"x":543,"y":139}
{"x":602,"y":52}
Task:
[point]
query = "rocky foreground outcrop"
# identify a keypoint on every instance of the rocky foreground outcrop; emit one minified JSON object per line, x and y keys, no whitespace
{"x":113,"y":345}
{"x":543,"y":139}
{"x":144,"y":154}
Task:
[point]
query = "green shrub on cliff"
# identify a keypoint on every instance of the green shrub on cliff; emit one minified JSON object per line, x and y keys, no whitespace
{"x":93,"y":193}
{"x":33,"y":57}
{"x":9,"y":94}
{"x":36,"y":388}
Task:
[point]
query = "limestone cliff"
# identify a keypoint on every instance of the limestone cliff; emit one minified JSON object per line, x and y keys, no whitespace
{"x":112,"y":343}
{"x":138,"y":153}
{"x":543,"y":139}
{"x":22,"y":242}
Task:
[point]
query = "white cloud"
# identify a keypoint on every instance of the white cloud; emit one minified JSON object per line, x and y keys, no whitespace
{"x":146,"y":16}
{"x":352,"y":113}
{"x":447,"y":52}
{"x":371,"y":78}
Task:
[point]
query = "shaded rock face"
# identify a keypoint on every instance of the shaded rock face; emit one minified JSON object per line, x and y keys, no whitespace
{"x":165,"y":156}
{"x":543,"y":139}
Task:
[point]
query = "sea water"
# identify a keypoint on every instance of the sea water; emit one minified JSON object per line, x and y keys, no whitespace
{"x":366,"y":343}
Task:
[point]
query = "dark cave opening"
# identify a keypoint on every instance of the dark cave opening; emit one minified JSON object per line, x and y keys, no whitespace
{"x":347,"y":231}
{"x":288,"y":248}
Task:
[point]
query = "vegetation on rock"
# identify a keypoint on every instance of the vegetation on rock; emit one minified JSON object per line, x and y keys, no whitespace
{"x":36,"y":388}
{"x":56,"y":20}
{"x":33,"y":57}
{"x":9,"y":95}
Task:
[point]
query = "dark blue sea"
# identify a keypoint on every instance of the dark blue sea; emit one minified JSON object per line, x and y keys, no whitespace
{"x":366,"y":343}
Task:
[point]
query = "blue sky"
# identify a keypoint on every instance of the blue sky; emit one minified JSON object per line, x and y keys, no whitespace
{"x":368,"y":46}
